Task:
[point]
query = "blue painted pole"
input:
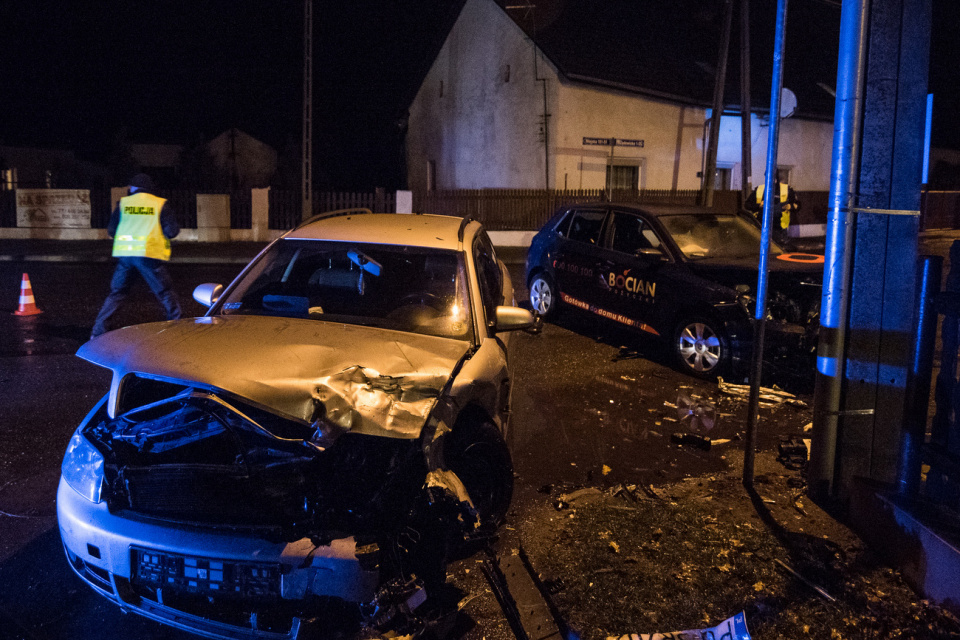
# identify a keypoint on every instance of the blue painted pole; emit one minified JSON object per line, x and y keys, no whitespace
{"x":776,"y":86}
{"x":834,"y":305}
{"x":926,"y":139}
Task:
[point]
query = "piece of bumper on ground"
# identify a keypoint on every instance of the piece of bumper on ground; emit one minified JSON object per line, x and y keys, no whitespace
{"x":101,"y":549}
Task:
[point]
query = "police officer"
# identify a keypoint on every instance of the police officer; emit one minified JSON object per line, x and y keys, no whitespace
{"x":785,"y":202}
{"x":141,"y":226}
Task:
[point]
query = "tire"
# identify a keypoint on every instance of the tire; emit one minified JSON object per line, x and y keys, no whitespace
{"x":700,"y":347}
{"x":480,"y":458}
{"x":544,"y":297}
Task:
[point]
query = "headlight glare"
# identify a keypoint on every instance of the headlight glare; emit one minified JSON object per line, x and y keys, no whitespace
{"x":82,"y":468}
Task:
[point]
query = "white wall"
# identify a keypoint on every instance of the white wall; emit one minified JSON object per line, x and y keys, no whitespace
{"x":805,"y":146}
{"x":671,"y":154}
{"x":484,"y":130}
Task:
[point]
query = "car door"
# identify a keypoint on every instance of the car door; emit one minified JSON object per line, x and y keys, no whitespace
{"x":576,"y":257}
{"x":490,"y":363}
{"x":631,"y":266}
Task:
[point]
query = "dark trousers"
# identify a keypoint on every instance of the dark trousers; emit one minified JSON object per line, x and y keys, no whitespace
{"x":154,"y":273}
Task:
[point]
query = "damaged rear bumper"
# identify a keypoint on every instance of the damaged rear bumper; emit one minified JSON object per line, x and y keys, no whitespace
{"x":127,"y":560}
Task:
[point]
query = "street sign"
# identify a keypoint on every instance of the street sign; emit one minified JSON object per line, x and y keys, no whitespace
{"x":612,"y":142}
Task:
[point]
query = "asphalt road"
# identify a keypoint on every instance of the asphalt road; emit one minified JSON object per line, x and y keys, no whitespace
{"x":592,"y":406}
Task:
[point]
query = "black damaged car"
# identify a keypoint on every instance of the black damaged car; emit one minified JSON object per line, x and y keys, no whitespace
{"x":686,"y":275}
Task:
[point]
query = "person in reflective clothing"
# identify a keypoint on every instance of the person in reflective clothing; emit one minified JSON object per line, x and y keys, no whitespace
{"x":141,"y":225}
{"x":785,"y":203}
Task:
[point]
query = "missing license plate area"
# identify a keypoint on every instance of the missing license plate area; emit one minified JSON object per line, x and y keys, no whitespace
{"x":206,"y":576}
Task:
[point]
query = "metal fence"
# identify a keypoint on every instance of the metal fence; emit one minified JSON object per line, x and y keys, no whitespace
{"x":286,"y":206}
{"x":940,"y":210}
{"x":930,"y":464}
{"x":525,"y":209}
{"x":497,"y":209}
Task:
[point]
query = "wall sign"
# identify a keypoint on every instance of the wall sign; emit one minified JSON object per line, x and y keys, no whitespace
{"x":612,"y":142}
{"x":53,"y":208}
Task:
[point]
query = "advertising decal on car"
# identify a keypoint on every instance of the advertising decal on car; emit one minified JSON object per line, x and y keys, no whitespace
{"x":610,"y":315}
{"x":631,"y":284}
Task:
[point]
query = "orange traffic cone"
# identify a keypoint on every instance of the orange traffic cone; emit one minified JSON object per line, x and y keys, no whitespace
{"x":27,"y":305}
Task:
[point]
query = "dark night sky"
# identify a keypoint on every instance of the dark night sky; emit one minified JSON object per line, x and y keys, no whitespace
{"x":73,"y":75}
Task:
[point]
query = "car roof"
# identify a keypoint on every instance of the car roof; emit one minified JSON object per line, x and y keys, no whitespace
{"x":415,"y":230}
{"x":665,"y":209}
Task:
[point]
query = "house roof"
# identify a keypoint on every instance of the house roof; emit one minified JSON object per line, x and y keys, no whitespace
{"x":668,"y":48}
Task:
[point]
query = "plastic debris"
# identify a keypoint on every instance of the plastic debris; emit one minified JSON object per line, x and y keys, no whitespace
{"x":767,"y":394}
{"x":691,"y":439}
{"x":699,"y":416}
{"x":792,"y":452}
{"x":733,"y":628}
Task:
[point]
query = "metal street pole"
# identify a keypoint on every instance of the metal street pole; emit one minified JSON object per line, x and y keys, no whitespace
{"x":841,"y":221}
{"x":746,"y":146}
{"x":307,"y":146}
{"x":753,"y":404}
{"x":710,"y":171}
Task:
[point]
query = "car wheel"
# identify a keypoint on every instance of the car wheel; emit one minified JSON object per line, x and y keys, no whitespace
{"x":543,"y":296}
{"x":481,"y":460}
{"x":700,"y":347}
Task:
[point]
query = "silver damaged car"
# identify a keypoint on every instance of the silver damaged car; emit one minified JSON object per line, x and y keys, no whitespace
{"x":316,"y":447}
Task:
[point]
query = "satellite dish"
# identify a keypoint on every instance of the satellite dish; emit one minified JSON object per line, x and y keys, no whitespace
{"x":788,"y":102}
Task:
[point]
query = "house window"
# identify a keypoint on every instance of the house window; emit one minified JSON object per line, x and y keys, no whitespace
{"x":431,"y":175}
{"x":723,"y":179}
{"x":441,"y":88}
{"x":506,"y":73}
{"x":623,"y":177}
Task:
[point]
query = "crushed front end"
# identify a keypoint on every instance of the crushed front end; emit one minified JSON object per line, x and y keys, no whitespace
{"x":227,"y":520}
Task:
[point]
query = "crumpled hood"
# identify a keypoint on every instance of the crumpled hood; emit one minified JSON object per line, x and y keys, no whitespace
{"x":731,"y":272}
{"x":369,"y":380}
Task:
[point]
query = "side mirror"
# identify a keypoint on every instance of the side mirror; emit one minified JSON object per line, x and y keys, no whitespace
{"x":512,"y":319}
{"x":207,"y":293}
{"x":652,"y":254}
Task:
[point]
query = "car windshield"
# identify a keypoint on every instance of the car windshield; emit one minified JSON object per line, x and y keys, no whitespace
{"x":394,"y":287}
{"x":702,"y":236}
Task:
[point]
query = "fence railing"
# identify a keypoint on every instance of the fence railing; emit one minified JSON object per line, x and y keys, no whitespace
{"x":524,"y":209}
{"x":497,"y":209}
{"x":286,"y":206}
{"x":930,"y":464}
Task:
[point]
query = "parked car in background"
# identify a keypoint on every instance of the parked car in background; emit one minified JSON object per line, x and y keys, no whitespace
{"x":682,"y":274}
{"x":324,"y":439}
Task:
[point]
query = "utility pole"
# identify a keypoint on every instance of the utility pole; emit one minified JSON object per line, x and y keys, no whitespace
{"x":869,"y":282}
{"x":746,"y":138}
{"x":710,"y":170}
{"x":307,"y":146}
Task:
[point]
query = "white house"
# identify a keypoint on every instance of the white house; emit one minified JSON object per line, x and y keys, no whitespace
{"x":602,"y":94}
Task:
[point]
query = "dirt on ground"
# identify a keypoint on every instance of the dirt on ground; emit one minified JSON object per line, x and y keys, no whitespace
{"x":621,"y":559}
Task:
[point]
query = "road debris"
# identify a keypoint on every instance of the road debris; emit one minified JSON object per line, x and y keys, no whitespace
{"x":691,"y":439}
{"x":733,"y":628}
{"x":795,"y":574}
{"x":699,"y":415}
{"x":792,"y":452}
{"x":770,"y":395}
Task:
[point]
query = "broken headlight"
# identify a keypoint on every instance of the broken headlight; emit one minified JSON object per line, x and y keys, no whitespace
{"x":82,"y":468}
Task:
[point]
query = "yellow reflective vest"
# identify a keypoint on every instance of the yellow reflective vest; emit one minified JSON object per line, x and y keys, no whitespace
{"x":139,"y":233}
{"x":784,"y":211}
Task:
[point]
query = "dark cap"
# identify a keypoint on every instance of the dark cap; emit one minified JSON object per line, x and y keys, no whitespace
{"x":142,"y":182}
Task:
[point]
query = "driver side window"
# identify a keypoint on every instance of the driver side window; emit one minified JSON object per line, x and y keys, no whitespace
{"x":632,"y":234}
